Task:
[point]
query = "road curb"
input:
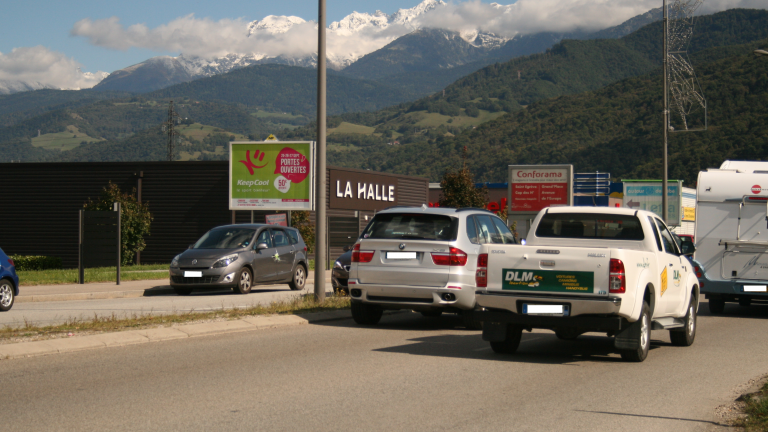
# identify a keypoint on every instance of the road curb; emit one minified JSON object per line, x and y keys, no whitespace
{"x":133,"y":337}
{"x":106,"y":295}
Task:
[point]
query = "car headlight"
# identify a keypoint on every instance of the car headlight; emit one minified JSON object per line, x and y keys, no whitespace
{"x":175,"y":262}
{"x":225,"y":261}
{"x":338,"y":265}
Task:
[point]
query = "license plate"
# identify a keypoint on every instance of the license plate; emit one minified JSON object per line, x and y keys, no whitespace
{"x":193,"y":274}
{"x":755,"y":288}
{"x":539,"y":309}
{"x":401,"y":255}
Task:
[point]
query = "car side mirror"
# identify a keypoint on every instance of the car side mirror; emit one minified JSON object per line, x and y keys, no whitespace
{"x":261,"y":246}
{"x":347,"y":248}
{"x":687,"y":247}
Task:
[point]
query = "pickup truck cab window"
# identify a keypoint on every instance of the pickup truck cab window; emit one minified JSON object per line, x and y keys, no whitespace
{"x":670,"y":246}
{"x":655,"y":233}
{"x":590,"y":226}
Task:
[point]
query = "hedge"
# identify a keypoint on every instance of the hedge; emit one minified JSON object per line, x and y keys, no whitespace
{"x":35,"y":262}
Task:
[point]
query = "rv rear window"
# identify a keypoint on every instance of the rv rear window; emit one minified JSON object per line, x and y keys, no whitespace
{"x":590,"y":226}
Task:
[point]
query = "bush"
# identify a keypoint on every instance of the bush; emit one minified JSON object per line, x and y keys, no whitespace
{"x":134,"y":220}
{"x":35,"y":262}
{"x":300,"y":220}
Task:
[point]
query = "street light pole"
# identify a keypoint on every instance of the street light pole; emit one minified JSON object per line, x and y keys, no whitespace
{"x":320,"y":220}
{"x":665,"y":181}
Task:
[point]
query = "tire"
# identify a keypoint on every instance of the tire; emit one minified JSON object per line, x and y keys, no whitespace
{"x":567,"y":334}
{"x":299,"y":278}
{"x":685,"y":337}
{"x":244,"y":281}
{"x":366,"y":314}
{"x":7,"y":295}
{"x":182,"y":291}
{"x":716,"y":305}
{"x":434,"y":313}
{"x":746,"y":301}
{"x":644,"y":323}
{"x":510,"y":344}
{"x":470,"y":323}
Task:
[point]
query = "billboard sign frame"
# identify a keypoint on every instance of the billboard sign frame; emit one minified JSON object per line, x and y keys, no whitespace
{"x":559,"y":177}
{"x":646,"y":195}
{"x":272,"y":175}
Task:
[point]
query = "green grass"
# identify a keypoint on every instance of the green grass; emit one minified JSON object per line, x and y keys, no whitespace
{"x":200,"y":131}
{"x":112,"y":323}
{"x":66,"y":140}
{"x":351,"y":128}
{"x":283,"y":115}
{"x":99,"y":274}
{"x":433,"y":120}
{"x":756,"y":410}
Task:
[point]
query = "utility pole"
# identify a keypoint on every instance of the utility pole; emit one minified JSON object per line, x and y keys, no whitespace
{"x":169,"y":127}
{"x":321,"y":241}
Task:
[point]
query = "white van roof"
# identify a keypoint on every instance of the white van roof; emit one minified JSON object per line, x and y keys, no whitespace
{"x":732,"y":184}
{"x":745,"y":166}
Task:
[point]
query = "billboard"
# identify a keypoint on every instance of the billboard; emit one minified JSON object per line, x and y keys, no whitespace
{"x":271,"y":175}
{"x":646,"y":195}
{"x":534,"y":187}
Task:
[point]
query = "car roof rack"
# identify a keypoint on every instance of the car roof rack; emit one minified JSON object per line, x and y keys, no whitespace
{"x":473,"y":209}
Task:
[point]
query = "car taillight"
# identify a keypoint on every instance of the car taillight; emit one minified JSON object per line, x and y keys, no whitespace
{"x":454,"y":257}
{"x":481,"y":275}
{"x":617,"y":283}
{"x":10,"y":262}
{"x":361,"y":256}
{"x":697,"y":270}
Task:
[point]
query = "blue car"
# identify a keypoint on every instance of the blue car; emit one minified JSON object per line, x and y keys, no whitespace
{"x":9,"y":282}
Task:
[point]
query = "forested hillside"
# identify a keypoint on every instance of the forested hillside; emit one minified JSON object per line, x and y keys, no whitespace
{"x":616,"y":129}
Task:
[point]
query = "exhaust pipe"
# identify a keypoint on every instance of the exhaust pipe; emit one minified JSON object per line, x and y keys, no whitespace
{"x":449,"y":297}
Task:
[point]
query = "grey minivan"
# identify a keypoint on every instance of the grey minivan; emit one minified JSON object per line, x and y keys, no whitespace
{"x":241,"y":256}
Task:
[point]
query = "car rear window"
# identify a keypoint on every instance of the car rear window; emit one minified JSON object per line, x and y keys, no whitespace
{"x":590,"y":226}
{"x":412,"y":227}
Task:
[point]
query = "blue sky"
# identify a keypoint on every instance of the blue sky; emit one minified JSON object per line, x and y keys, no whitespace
{"x":48,"y":22}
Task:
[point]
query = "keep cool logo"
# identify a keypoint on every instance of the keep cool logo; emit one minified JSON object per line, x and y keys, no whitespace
{"x":250,"y":165}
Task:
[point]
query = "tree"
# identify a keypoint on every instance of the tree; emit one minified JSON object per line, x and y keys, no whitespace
{"x":458,"y":189}
{"x":300,"y":221}
{"x":135,"y":219}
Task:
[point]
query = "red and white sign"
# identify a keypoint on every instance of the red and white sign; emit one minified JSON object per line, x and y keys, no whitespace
{"x":756,"y":189}
{"x":534,"y":188}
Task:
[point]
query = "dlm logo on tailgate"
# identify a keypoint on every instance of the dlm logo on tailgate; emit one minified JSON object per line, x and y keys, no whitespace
{"x":547,"y":280}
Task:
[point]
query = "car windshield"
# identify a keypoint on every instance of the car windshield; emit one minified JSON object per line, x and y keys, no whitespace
{"x":225,"y":238}
{"x":412,"y":226}
{"x":590,"y":226}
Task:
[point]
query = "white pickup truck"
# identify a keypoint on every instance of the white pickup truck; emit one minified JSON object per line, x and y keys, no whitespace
{"x":588,"y":269}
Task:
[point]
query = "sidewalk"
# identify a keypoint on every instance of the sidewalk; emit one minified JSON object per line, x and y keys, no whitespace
{"x":110,"y":290}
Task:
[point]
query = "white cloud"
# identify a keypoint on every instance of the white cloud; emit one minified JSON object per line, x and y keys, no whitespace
{"x":297,"y":38}
{"x":40,"y":67}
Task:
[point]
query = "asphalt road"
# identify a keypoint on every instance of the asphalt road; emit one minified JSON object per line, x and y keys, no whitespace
{"x":58,"y":312}
{"x":409,"y":373}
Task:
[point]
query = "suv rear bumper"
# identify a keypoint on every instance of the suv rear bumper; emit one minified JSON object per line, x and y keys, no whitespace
{"x":413,"y":297}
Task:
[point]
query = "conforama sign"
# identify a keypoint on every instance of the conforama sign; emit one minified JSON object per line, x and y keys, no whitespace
{"x":534,"y":187}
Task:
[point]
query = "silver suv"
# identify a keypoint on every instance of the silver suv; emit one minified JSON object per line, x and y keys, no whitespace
{"x":421,"y":258}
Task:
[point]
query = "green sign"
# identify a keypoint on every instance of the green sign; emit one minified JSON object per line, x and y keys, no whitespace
{"x":271,"y":175}
{"x":548,"y":280}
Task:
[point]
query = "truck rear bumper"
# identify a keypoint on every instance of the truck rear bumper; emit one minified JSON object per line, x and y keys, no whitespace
{"x":585,"y":323}
{"x":513,"y":302}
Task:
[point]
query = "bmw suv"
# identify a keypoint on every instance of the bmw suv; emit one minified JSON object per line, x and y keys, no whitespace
{"x":422,"y":259}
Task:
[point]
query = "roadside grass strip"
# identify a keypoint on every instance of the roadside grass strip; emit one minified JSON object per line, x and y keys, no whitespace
{"x":99,"y":274}
{"x":756,"y":410}
{"x":115,"y":323}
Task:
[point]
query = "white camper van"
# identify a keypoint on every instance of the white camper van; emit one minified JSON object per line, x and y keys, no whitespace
{"x":731,"y":258}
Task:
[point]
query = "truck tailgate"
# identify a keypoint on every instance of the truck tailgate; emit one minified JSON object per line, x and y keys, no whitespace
{"x":556,"y":270}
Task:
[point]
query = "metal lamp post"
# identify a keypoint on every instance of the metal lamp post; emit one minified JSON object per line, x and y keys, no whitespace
{"x":320,"y":220}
